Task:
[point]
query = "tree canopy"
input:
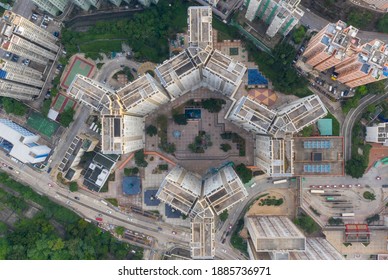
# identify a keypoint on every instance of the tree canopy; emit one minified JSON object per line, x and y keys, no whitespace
{"x":224,"y":215}
{"x":151,"y":130}
{"x":298,"y":34}
{"x":66,"y":117}
{"x":355,"y":167}
{"x":382,"y":24}
{"x":244,"y":173}
{"x":12,"y":106}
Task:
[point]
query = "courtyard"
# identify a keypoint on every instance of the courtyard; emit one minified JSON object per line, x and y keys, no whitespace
{"x":205,"y":125}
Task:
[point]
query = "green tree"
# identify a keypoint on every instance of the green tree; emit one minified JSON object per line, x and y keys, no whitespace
{"x":358,"y":18}
{"x":307,"y":131}
{"x":66,"y":117}
{"x":131,"y":171}
{"x":73,"y":186}
{"x":382,"y":24}
{"x":140,"y":159}
{"x":225,"y":147}
{"x":151,"y":130}
{"x":369,"y":195}
{"x":180,"y":119}
{"x":224,"y":215}
{"x":298,"y":34}
{"x":213,"y":105}
{"x":376,"y":87}
{"x":120,"y":230}
{"x":4,"y":248}
{"x":46,"y":107}
{"x":355,"y":167}
{"x":244,"y":173}
{"x":12,"y":106}
{"x":335,"y":221}
{"x":306,"y":223}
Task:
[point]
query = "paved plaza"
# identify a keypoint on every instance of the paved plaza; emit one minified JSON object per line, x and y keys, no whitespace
{"x":213,"y":124}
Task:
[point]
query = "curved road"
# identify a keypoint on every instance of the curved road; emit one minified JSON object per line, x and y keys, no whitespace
{"x":353,"y":116}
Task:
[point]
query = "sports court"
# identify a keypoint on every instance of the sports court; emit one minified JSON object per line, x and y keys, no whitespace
{"x":78,"y":65}
{"x":62,"y":102}
{"x":45,"y":126}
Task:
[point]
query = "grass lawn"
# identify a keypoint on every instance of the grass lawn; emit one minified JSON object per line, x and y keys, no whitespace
{"x":336,"y":125}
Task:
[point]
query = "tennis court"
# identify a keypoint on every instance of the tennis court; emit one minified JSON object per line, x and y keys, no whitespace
{"x":59,"y":102}
{"x":79,"y":66}
{"x":45,"y":126}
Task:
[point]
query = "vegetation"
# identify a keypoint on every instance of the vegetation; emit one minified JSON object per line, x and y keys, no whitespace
{"x":12,"y":106}
{"x":298,"y":34}
{"x":140,"y":159}
{"x":308,"y":131}
{"x":46,"y":106}
{"x":358,"y":18}
{"x":224,"y":215}
{"x":120,"y":230}
{"x":335,"y":221}
{"x":240,"y":142}
{"x":67,"y":117}
{"x":271,"y":201}
{"x":163,"y":166}
{"x":278,"y":68}
{"x":306,"y":223}
{"x":382,"y":24}
{"x":358,"y":163}
{"x":372,"y":219}
{"x":369,"y":195}
{"x":73,"y":186}
{"x":201,"y":142}
{"x":162,"y":133}
{"x":213,"y":105}
{"x":131,"y":171}
{"x":99,"y":65}
{"x":179,"y":119}
{"x":145,"y":32}
{"x":151,"y":130}
{"x":236,"y":240}
{"x":225,"y":147}
{"x":361,"y":91}
{"x":336,"y":125}
{"x":244,"y":173}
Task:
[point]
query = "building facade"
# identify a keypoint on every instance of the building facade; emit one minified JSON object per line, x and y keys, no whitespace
{"x":280,"y":15}
{"x":53,"y":7}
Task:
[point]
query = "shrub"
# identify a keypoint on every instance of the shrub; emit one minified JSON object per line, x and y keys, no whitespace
{"x":73,"y":186}
{"x":225,"y":147}
{"x":244,"y":173}
{"x":369,"y":195}
{"x":151,"y":130}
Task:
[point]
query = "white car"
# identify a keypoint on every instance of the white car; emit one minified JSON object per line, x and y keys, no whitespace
{"x":108,"y":211}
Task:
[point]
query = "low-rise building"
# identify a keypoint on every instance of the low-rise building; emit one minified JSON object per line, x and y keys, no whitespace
{"x":99,"y":170}
{"x":21,"y":143}
{"x":274,"y":234}
{"x":377,"y":134}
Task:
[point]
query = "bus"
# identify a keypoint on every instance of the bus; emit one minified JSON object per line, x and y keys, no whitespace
{"x":347,"y":214}
{"x":104,"y":202}
{"x":279,"y":181}
{"x":317,"y":191}
{"x":329,"y":198}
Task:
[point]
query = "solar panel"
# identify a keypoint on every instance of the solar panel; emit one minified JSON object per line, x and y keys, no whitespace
{"x":317,"y":144}
{"x":318,"y":168}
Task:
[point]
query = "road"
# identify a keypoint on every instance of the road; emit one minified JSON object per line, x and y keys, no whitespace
{"x":353,"y":116}
{"x":113,"y":65}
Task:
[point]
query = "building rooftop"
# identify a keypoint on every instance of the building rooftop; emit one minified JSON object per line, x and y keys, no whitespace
{"x":275,"y":233}
{"x":200,"y":26}
{"x":150,"y":198}
{"x":98,"y":171}
{"x":90,"y":92}
{"x":180,"y":189}
{"x":325,"y":127}
{"x":131,"y":185}
{"x":377,"y":133}
{"x":318,"y":156}
{"x":317,"y":248}
{"x":224,"y":189}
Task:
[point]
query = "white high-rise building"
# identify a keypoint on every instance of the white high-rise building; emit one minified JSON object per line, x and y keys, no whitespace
{"x":142,"y":96}
{"x":280,"y":15}
{"x":122,"y":134}
{"x":53,"y":7}
{"x":200,"y":29}
{"x":21,"y":143}
{"x":19,"y":91}
{"x":23,"y":70}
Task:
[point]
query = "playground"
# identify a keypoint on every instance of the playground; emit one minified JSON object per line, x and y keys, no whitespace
{"x":41,"y":124}
{"x":77,"y":65}
{"x":62,"y":103}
